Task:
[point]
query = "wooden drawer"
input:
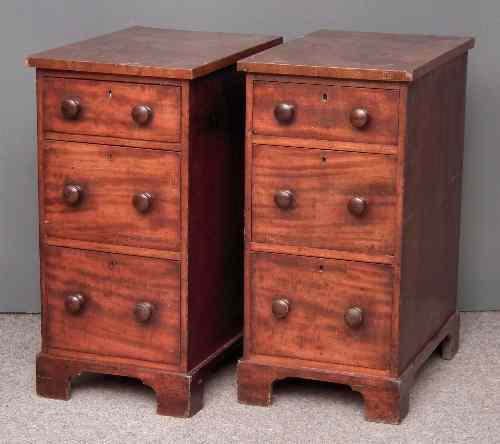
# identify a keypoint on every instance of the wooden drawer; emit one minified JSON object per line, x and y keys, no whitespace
{"x":314,"y":198}
{"x":323,"y":112}
{"x":102,"y":320}
{"x":105,"y":109}
{"x":109,"y":178}
{"x":299,"y":308}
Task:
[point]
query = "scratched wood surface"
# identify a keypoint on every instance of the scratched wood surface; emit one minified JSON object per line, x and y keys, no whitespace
{"x":322,"y":111}
{"x":323,"y":182}
{"x":155,"y":52}
{"x":319,"y":292}
{"x":359,"y":55}
{"x":106,"y":109}
{"x":109,"y":177}
{"x":112,"y":285}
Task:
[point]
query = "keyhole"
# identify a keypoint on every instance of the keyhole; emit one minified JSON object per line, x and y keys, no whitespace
{"x":324,"y":98}
{"x":110,"y":94}
{"x":323,"y":158}
{"x":321,"y":268}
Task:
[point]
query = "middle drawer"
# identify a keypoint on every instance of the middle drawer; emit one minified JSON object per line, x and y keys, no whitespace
{"x":324,"y":199}
{"x":112,"y":195}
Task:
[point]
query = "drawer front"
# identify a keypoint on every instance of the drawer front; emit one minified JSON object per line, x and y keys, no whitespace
{"x":110,"y":205}
{"x":323,"y":112}
{"x":98,"y":303}
{"x":324,"y":199}
{"x":103,"y":108}
{"x":322,"y":310}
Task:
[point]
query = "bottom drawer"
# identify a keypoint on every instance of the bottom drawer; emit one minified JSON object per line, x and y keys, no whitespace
{"x":321,"y":310}
{"x":113,"y":305}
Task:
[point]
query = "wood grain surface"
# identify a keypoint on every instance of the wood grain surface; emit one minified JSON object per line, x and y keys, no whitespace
{"x":359,"y":55}
{"x":112,"y":285}
{"x":154,"y":52}
{"x":184,"y":253}
{"x":320,"y":291}
{"x":433,"y":183}
{"x":106,"y":109}
{"x":323,"y":182}
{"x":110,"y":176}
{"x":322,"y":112}
{"x":309,"y":257}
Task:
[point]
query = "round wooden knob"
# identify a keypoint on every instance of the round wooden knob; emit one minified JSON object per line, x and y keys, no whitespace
{"x":284,"y":199}
{"x":284,"y":112}
{"x":281,"y":308}
{"x":74,"y":303}
{"x":143,"y":202}
{"x":359,"y":117}
{"x":143,"y":311}
{"x":142,"y":114}
{"x":354,"y":317}
{"x":70,"y":108}
{"x":72,"y":194}
{"x":357,"y":206}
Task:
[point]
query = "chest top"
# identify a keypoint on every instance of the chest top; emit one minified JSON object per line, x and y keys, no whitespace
{"x":153,"y":52}
{"x":358,"y":55}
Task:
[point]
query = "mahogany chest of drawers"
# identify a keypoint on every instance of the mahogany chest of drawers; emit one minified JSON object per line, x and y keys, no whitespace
{"x":140,"y":154}
{"x":354,"y":147}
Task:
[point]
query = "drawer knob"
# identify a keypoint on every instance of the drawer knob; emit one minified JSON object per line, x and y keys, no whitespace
{"x":143,"y":311}
{"x":72,"y":194}
{"x":284,"y":112}
{"x":284,"y":199}
{"x":281,"y":308}
{"x":70,"y":108}
{"x":142,"y":202}
{"x":142,"y":114}
{"x":74,"y":303}
{"x":354,"y":317}
{"x":359,"y":117}
{"x":357,"y":206}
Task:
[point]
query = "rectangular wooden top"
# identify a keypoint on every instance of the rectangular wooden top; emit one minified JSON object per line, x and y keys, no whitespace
{"x":154,"y":52}
{"x":358,"y":55}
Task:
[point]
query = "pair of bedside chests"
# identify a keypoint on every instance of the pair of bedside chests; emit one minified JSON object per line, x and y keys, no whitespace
{"x":324,"y":231}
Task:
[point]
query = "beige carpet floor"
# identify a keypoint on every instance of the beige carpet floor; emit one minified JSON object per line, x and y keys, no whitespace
{"x":452,"y":402}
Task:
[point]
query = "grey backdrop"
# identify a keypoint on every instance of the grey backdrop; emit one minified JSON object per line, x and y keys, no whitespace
{"x":31,"y":25}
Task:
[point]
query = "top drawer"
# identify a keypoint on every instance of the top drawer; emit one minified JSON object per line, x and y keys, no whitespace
{"x":112,"y":109}
{"x":327,"y":112}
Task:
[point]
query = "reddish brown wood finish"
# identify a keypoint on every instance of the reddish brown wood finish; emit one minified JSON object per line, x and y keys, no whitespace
{"x":323,"y":182}
{"x":106,"y":109}
{"x":154,"y":52}
{"x":112,"y":285}
{"x":292,"y":308}
{"x":322,"y":112}
{"x":151,"y":291}
{"x":216,"y":212}
{"x":433,"y":182}
{"x":386,"y":398}
{"x":109,"y":178}
{"x":359,"y":55}
{"x":177,"y":394}
{"x":320,"y":292}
